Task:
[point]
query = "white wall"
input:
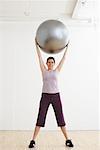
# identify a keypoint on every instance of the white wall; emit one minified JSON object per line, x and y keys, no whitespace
{"x":21,"y":80}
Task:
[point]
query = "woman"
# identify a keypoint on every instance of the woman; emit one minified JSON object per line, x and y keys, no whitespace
{"x":50,"y":95}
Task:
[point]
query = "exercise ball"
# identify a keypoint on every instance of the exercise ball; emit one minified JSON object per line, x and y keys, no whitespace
{"x":52,"y":36}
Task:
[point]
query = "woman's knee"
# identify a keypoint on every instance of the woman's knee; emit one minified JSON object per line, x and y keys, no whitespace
{"x":38,"y":126}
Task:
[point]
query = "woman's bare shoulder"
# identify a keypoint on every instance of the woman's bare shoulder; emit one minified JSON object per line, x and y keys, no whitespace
{"x":43,"y":70}
{"x":56,"y":69}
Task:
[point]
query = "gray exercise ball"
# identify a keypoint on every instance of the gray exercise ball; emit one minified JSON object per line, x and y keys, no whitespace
{"x":52,"y":36}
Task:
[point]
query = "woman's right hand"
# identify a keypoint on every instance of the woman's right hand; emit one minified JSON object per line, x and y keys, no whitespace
{"x":35,"y":41}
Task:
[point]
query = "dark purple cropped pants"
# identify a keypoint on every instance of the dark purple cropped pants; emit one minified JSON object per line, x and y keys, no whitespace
{"x":46,"y":100}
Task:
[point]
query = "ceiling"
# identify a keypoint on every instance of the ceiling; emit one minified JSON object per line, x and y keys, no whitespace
{"x":32,"y":10}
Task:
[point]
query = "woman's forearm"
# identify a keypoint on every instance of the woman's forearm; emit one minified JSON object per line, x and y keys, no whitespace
{"x":42,"y":66}
{"x":62,"y":60}
{"x":39,"y":53}
{"x":66,"y":50}
{"x":64,"y":55}
{"x":37,"y":49}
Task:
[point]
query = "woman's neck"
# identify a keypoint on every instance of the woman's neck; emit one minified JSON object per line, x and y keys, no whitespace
{"x":50,"y":69}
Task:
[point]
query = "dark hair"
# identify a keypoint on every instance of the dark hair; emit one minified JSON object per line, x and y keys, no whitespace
{"x":51,"y":58}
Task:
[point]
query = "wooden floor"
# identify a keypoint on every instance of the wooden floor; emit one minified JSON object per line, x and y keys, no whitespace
{"x":49,"y":140}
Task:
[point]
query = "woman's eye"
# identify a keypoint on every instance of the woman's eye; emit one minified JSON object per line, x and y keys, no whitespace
{"x":50,"y":62}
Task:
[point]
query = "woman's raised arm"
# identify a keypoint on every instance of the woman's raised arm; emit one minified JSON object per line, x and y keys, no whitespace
{"x":62,"y":60}
{"x":42,"y":66}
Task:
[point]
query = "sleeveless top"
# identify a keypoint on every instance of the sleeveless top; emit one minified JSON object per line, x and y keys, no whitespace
{"x":50,"y":83}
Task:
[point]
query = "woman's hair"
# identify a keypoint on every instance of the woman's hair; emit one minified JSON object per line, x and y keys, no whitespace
{"x":51,"y":58}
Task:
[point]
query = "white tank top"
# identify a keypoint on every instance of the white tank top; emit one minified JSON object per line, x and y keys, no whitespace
{"x":50,"y":83}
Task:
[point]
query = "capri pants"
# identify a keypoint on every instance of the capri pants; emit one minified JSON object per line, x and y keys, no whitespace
{"x":46,"y":100}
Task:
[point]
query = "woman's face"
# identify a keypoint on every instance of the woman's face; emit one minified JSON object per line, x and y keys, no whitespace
{"x":50,"y":64}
